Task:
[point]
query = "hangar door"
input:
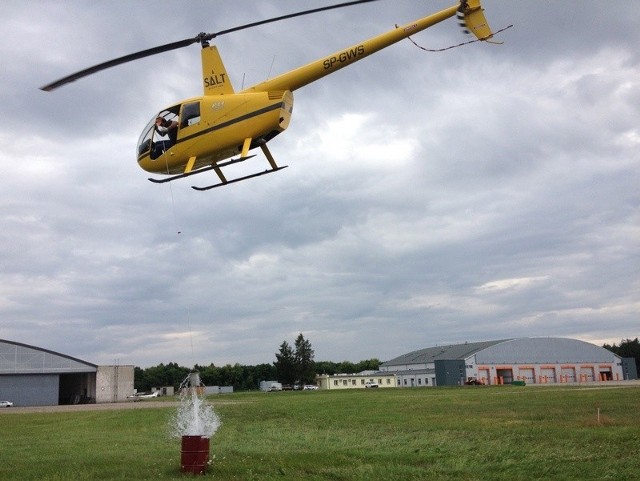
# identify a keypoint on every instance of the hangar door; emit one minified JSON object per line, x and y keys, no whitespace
{"x":547,"y":374}
{"x":527,"y":374}
{"x":586,"y":374}
{"x":77,"y":388}
{"x":568,"y":374}
{"x":30,"y":389}
{"x":504,"y":375}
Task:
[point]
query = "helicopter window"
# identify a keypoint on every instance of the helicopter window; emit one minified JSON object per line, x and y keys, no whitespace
{"x":190,"y":114}
{"x":169,"y":115}
{"x":144,"y":142}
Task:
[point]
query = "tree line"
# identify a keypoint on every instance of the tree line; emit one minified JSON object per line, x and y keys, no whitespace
{"x":294,"y":364}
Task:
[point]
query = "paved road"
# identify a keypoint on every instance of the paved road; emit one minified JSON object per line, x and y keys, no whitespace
{"x":90,"y":407}
{"x":106,"y":406}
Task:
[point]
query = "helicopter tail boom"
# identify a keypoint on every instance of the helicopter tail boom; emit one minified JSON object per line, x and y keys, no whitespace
{"x":470,"y":12}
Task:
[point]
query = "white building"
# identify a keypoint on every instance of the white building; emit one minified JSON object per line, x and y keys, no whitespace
{"x":356,"y":381}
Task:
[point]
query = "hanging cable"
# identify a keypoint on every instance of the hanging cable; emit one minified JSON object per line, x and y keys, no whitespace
{"x":178,"y":231}
{"x":455,"y":46}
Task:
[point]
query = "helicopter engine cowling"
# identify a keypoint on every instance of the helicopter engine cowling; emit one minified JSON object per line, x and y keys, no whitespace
{"x":284,"y":116}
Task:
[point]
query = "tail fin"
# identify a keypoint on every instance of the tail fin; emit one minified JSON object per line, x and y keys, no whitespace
{"x":472,"y":19}
{"x":214,"y":76}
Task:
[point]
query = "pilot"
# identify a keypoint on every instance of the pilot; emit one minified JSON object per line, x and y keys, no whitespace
{"x":167,"y":128}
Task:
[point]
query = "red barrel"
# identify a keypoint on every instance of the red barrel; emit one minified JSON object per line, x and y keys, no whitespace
{"x":195,"y":454}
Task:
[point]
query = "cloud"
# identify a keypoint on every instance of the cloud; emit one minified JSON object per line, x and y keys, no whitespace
{"x":511,"y":284}
{"x":485,"y":192}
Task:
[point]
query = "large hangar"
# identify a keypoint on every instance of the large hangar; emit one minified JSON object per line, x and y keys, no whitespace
{"x":540,"y":360}
{"x":32,"y":376}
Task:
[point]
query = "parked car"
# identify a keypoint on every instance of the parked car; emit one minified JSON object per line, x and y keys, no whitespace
{"x":472,"y":381}
{"x":6,"y":404}
{"x":371,"y":384}
{"x":310,"y":387}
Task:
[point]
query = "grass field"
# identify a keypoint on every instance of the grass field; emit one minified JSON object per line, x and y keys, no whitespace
{"x":474,"y":433}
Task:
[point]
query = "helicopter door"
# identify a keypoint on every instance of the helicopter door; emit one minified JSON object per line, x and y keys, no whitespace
{"x":164,"y":133}
{"x":155,"y":140}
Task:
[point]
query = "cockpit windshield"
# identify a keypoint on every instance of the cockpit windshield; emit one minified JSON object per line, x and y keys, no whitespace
{"x":160,"y":133}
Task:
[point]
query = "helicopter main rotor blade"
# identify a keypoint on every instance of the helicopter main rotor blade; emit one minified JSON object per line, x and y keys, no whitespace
{"x":285,"y":17}
{"x":202,"y":37}
{"x":118,"y":61}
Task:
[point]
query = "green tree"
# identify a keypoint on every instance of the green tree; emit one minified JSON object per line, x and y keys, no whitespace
{"x":241,"y":377}
{"x":325,"y":367}
{"x":304,"y":364}
{"x":346,"y":367}
{"x":264,"y":372}
{"x":627,"y":348}
{"x":368,"y":365}
{"x":209,"y":375}
{"x":139,"y":381}
{"x":158,"y":376}
{"x":285,"y":364}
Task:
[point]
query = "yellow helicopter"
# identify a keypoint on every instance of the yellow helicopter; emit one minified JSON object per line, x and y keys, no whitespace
{"x":206,"y":133}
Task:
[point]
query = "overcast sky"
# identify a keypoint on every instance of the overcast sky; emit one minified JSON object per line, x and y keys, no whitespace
{"x":485,"y":192}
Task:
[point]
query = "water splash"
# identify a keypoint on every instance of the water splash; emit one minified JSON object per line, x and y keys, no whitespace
{"x":195,"y":416}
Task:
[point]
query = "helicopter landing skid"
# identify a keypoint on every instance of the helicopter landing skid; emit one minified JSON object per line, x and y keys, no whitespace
{"x":204,"y":169}
{"x":251,"y":176}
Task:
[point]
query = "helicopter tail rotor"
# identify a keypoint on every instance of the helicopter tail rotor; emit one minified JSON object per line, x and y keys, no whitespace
{"x":471,"y":18}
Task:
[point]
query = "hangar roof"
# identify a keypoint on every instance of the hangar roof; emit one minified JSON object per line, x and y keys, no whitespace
{"x":537,"y":350}
{"x":448,"y":352}
{"x":18,"y":358}
{"x":533,"y":350}
{"x":413,"y":372}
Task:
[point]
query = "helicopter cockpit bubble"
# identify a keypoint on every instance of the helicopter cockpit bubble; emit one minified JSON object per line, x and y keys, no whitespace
{"x":160,"y":133}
